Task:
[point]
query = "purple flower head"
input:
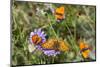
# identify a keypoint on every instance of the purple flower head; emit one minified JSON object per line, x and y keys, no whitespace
{"x":51,"y":52}
{"x":49,"y":6}
{"x":37,"y":37}
{"x":52,"y":10}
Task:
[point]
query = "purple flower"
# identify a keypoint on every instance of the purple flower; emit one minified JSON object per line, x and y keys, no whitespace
{"x":49,"y":6}
{"x":51,"y":52}
{"x":37,"y":37}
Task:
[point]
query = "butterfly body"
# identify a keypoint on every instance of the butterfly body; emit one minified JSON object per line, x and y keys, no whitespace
{"x":84,"y":49}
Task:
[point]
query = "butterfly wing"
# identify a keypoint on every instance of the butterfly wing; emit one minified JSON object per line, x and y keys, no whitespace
{"x":63,"y":46}
{"x":84,"y":49}
{"x":48,"y":44}
{"x":82,"y":45}
{"x":60,"y":10}
{"x":85,"y":53}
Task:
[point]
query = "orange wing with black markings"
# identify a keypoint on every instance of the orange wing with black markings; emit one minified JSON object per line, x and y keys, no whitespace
{"x":85,"y":49}
{"x":59,"y":13}
{"x":55,"y":44}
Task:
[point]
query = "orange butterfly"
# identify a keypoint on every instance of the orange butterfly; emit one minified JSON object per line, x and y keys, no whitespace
{"x":36,"y":39}
{"x":59,"y":13}
{"x":55,"y":44}
{"x":85,"y":49}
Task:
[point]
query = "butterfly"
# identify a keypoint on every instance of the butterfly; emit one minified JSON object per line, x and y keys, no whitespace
{"x":54,"y":44}
{"x":59,"y":13}
{"x":36,"y":39}
{"x":84,"y":49}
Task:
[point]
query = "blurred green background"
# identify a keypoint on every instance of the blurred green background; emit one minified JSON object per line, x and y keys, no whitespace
{"x":79,"y":23}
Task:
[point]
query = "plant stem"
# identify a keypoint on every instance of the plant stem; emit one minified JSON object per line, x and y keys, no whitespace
{"x":52,"y":28}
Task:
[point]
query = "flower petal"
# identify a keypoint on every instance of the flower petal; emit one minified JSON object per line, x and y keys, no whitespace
{"x":51,"y":52}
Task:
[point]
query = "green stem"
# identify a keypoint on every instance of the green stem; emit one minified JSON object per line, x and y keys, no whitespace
{"x":53,"y":58}
{"x":53,"y":30}
{"x":45,"y":26}
{"x":69,"y":31}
